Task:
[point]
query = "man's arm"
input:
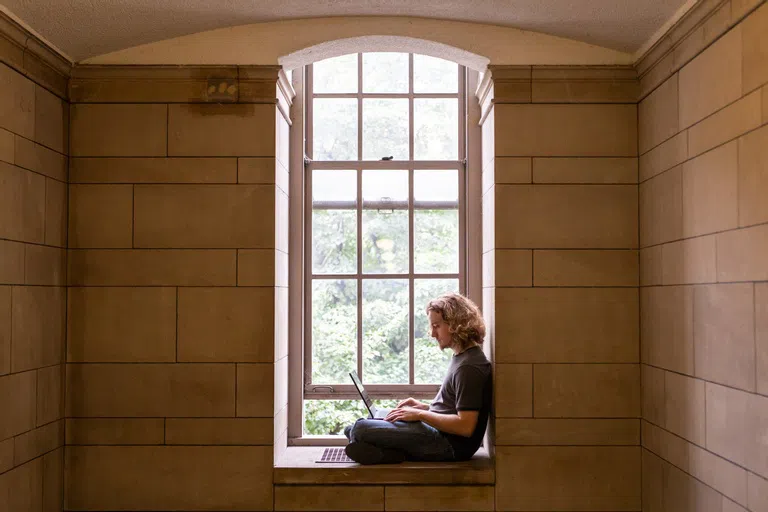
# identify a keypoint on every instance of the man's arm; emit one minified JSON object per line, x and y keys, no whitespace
{"x":461,"y":424}
{"x":412,"y":402}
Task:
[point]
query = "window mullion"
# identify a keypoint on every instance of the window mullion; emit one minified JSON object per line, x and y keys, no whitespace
{"x":384,"y":95}
{"x":395,"y":165}
{"x":309,"y":104}
{"x":463,"y":270}
{"x":410,"y":107}
{"x":309,"y":107}
{"x":379,"y":391}
{"x":360,"y":273}
{"x":385,"y":276}
{"x":360,"y":218}
{"x":359,"y":106}
{"x":411,"y":298}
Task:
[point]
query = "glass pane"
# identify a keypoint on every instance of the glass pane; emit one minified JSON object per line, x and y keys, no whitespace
{"x":436,"y":185}
{"x":430,"y":363}
{"x":436,"y":241}
{"x":436,"y":127}
{"x":334,"y":330}
{"x":385,"y":241}
{"x":334,"y":129}
{"x":385,"y":72}
{"x":433,"y":75}
{"x":334,"y":241}
{"x":336,"y":75}
{"x":385,"y":129}
{"x":381,"y":185}
{"x":329,"y":417}
{"x":334,"y":185}
{"x":385,"y":331}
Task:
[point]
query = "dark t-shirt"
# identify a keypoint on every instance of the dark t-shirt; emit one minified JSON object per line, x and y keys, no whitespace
{"x":467,"y":387}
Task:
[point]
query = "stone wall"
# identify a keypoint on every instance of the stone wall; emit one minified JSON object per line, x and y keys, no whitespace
{"x":704,"y":262}
{"x":177,"y":318}
{"x":33,"y":239}
{"x":560,"y":221}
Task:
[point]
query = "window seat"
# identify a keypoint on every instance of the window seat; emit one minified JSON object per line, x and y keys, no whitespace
{"x":298,"y":466}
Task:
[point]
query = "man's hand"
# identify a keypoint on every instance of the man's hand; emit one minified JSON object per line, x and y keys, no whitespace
{"x":412,"y":402}
{"x":404,"y":414}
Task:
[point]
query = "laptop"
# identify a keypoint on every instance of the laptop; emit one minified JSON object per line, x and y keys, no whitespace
{"x":375,"y":413}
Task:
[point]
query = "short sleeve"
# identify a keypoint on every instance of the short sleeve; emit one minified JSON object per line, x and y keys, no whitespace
{"x":469,"y":383}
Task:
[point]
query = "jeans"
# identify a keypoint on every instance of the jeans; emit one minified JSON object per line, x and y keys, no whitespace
{"x":417,"y":440}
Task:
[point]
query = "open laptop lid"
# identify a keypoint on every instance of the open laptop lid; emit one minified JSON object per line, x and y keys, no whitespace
{"x":363,"y":394}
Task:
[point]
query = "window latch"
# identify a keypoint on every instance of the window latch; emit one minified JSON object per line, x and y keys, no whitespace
{"x":385,"y":201}
{"x":387,"y":158}
{"x":329,"y":388}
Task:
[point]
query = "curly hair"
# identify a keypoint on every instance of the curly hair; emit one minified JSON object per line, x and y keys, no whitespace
{"x":462,"y":316}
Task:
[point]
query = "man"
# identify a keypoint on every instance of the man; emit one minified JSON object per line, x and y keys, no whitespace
{"x":452,"y":427}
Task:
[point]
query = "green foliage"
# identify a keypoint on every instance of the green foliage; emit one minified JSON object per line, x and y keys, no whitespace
{"x":334,"y":128}
{"x":385,"y":241}
{"x":430,"y":362}
{"x":329,"y":417}
{"x":435,"y":126}
{"x":334,"y":330}
{"x":334,"y":241}
{"x":385,"y":303}
{"x":385,"y":348}
{"x":436,"y":241}
{"x":385,"y":128}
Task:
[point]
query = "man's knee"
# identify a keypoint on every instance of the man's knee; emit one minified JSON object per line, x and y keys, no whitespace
{"x":361,"y":430}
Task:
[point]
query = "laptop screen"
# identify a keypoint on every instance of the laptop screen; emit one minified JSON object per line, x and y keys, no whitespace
{"x":361,"y":390}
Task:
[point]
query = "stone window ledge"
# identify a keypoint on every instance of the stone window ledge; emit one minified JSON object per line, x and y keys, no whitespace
{"x":298,"y":466}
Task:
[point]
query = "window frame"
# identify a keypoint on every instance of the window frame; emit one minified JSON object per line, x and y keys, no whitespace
{"x":469,"y":265}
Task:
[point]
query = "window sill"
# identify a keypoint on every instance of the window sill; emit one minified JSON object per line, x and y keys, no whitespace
{"x":298,"y":466}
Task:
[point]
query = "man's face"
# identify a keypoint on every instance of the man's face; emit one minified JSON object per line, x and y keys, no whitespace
{"x":439,"y":330}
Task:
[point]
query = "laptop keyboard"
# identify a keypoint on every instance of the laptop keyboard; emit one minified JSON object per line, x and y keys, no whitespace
{"x":334,"y":455}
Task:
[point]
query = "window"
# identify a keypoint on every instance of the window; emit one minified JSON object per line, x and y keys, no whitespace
{"x":384,"y":225}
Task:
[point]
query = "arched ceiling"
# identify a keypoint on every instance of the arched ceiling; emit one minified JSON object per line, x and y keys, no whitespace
{"x":87,"y":28}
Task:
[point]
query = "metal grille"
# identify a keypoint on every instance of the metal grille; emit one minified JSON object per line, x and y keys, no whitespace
{"x":334,"y":455}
